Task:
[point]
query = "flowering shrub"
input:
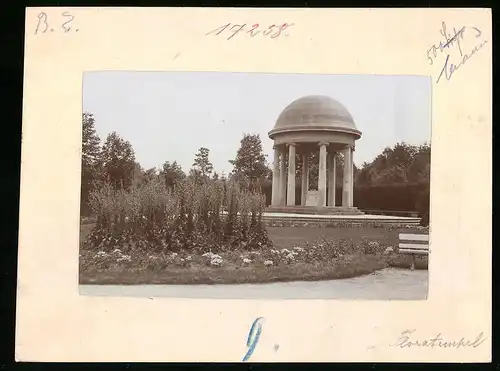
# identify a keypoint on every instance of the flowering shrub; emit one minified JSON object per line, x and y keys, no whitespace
{"x":192,"y":216}
{"x":372,"y":247}
{"x":388,"y":250}
{"x":290,"y":257}
{"x":216,"y":261}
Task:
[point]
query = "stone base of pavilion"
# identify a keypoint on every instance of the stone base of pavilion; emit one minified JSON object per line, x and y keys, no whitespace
{"x":321,"y":215}
{"x":314,"y":210}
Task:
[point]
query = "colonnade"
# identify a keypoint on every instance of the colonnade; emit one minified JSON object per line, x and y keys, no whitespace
{"x":283,"y":187}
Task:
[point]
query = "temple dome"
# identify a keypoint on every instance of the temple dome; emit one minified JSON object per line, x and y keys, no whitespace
{"x":315,"y":112}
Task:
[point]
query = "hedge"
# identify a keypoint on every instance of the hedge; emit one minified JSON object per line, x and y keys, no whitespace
{"x":391,"y":197}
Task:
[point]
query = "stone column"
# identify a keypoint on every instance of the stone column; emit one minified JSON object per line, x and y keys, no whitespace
{"x":282,"y":191}
{"x":275,"y":199}
{"x":322,"y":175}
{"x":305,"y":178}
{"x":346,"y":184}
{"x":351,"y":192}
{"x":290,"y":196}
{"x":332,"y":165}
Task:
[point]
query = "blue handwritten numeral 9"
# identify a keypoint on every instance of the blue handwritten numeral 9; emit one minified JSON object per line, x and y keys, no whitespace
{"x":253,"y":337}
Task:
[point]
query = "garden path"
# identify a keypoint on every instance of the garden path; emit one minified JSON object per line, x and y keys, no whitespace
{"x":387,"y":284}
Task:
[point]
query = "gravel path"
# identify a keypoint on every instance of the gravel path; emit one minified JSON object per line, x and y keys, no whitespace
{"x":387,"y":284}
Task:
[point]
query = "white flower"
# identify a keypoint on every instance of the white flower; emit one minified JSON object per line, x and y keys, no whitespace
{"x":124,"y":258}
{"x":388,"y":250}
{"x":216,"y":261}
{"x":267,"y":263}
{"x":290,"y":256}
{"x":153,"y":257}
{"x":246,"y":261}
{"x":254,"y":253}
{"x":182,"y":259}
{"x":174,"y":255}
{"x":101,"y":253}
{"x":285,"y":251}
{"x":299,"y":249}
{"x":188,"y":258}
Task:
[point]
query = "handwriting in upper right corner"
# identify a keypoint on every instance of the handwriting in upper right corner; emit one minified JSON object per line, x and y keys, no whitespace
{"x":454,"y":39}
{"x":273,"y":31}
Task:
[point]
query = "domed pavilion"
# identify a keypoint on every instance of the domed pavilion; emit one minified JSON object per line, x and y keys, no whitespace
{"x":313,"y":123}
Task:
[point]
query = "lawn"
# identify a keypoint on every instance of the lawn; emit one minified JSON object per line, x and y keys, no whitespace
{"x":299,"y":253}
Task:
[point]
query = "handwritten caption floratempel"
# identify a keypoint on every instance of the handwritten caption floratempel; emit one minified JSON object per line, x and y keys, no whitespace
{"x":438,"y":341}
{"x":273,"y":31}
{"x":63,"y":23}
{"x":451,"y":40}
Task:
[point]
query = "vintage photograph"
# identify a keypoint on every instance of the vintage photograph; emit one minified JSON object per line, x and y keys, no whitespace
{"x":252,"y":185}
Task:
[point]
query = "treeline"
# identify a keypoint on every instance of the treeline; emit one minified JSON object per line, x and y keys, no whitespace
{"x":114,"y":164}
{"x":397,"y":179}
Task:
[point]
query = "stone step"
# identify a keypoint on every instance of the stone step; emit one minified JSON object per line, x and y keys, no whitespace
{"x":314,"y":210}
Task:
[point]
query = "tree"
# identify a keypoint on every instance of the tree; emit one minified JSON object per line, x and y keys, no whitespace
{"x":420,"y":168}
{"x":172,"y":173}
{"x":138,"y":175}
{"x":250,"y":161}
{"x":202,"y":167}
{"x":150,"y":174}
{"x":401,"y":164}
{"x":91,"y":158}
{"x":118,"y":161}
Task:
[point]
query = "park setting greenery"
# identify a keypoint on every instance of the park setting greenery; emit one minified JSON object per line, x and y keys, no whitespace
{"x":167,"y":226}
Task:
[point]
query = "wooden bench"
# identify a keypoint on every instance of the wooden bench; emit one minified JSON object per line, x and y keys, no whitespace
{"x":413,"y":244}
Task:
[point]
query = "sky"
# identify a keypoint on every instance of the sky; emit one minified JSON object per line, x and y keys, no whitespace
{"x":170,"y":115}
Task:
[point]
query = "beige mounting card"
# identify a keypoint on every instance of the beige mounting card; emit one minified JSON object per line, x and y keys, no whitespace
{"x":451,"y":46}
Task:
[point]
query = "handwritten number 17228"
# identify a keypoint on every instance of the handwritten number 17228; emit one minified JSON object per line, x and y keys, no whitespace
{"x":272,"y":31}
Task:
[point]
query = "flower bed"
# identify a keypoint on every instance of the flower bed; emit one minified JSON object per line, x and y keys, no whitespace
{"x":192,"y":216}
{"x":322,"y":259}
{"x":213,"y":232}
